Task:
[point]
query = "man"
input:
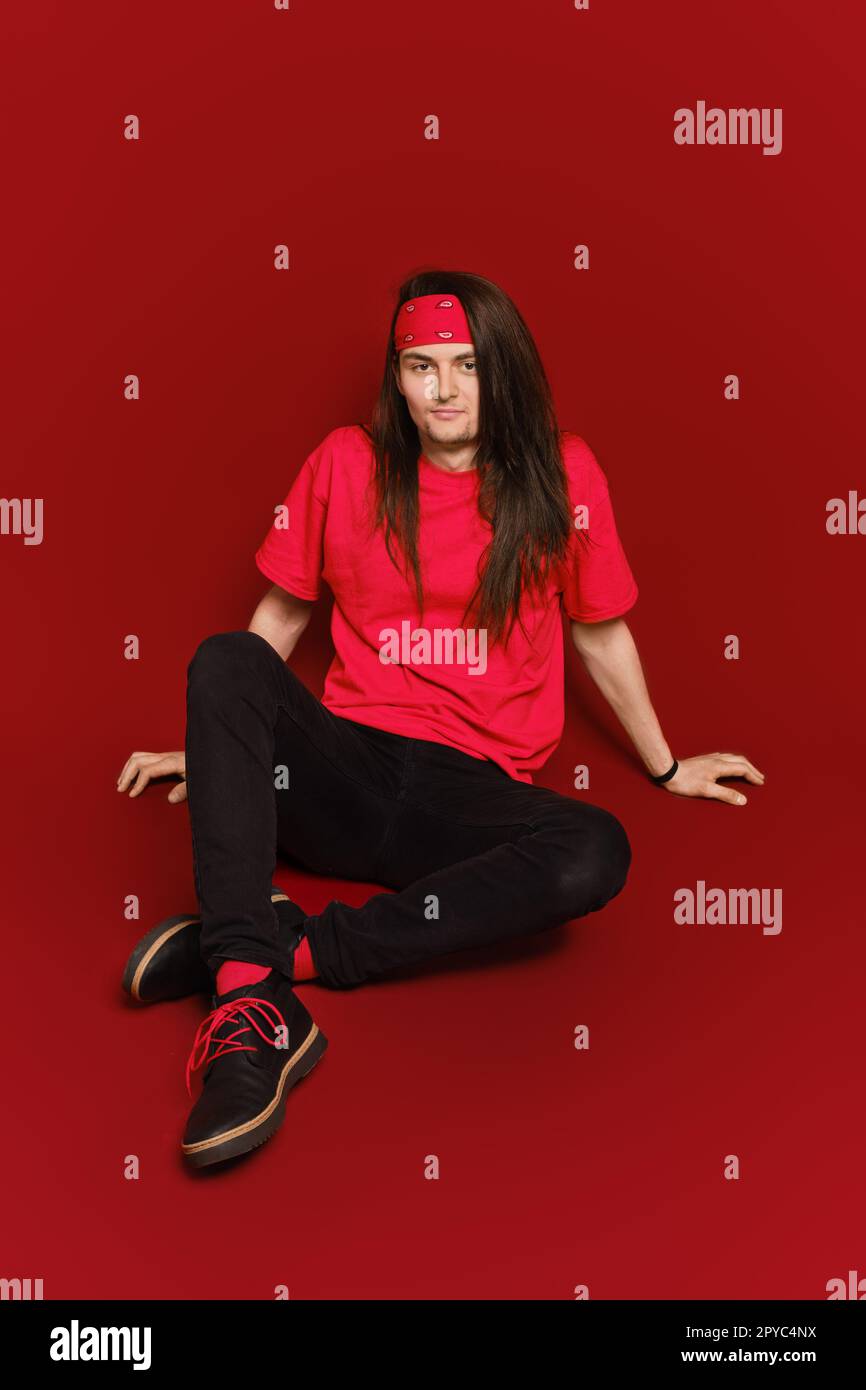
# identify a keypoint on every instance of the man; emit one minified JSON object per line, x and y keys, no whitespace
{"x":453,"y":534}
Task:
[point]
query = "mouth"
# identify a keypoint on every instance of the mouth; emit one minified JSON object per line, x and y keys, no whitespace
{"x":446,"y":413}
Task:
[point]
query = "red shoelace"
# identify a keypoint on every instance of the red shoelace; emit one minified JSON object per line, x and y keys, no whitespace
{"x":227,"y":1013}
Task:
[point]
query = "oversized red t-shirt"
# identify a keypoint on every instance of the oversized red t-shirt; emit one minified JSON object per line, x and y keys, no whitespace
{"x":411,"y":677}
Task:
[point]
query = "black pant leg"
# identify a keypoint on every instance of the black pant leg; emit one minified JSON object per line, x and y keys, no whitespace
{"x":252,"y":727}
{"x":478,"y":858}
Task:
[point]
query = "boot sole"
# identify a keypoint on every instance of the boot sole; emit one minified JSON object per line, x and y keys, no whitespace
{"x":263,"y":1126}
{"x":154,"y":941}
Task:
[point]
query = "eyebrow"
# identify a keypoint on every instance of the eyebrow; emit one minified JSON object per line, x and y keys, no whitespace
{"x":424,"y":357}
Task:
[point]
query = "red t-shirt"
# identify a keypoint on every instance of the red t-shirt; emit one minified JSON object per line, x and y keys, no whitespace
{"x":409,"y":676}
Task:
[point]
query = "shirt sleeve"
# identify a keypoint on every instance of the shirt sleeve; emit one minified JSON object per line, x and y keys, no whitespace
{"x":291,"y":553}
{"x":597,"y":581}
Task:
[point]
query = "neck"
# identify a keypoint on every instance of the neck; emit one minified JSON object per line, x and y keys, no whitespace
{"x":458,"y":457}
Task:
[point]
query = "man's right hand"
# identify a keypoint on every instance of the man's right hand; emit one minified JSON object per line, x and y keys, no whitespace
{"x":140,"y":768}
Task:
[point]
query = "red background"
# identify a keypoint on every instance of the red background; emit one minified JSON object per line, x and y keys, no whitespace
{"x":154,"y":257}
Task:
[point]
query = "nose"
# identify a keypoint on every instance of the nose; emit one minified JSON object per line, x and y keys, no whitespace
{"x":445,"y":391}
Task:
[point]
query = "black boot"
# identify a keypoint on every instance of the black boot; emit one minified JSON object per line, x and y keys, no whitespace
{"x":256,"y":1044}
{"x":167,"y":963}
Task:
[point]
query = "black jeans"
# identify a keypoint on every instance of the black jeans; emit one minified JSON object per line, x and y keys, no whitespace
{"x":475,"y":856}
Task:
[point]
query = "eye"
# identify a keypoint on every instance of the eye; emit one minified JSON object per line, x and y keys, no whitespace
{"x":422,"y":366}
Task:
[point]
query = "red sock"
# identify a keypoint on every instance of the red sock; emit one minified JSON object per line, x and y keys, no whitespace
{"x":234,"y":973}
{"x":303,"y":967}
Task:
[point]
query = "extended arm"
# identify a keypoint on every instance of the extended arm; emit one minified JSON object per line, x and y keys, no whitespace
{"x":609,"y":654}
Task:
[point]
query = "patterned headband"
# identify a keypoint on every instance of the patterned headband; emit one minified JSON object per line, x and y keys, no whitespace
{"x":431,"y":318}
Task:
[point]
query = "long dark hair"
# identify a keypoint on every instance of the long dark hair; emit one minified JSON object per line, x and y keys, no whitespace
{"x":522,"y":484}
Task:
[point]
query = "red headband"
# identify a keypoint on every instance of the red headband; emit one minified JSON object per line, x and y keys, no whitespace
{"x":431,"y":318}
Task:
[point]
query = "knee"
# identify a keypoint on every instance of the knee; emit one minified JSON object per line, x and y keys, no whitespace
{"x":597,"y":865}
{"x":616,"y":848}
{"x":223,"y":658}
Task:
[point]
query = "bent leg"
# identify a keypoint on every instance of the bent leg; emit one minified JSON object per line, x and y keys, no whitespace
{"x":476,"y":856}
{"x":474,"y":866}
{"x":252,"y":728}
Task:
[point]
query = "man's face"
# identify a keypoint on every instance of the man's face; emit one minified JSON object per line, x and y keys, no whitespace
{"x":440,"y":383}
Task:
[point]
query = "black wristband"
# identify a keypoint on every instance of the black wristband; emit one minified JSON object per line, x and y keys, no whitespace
{"x":665,"y":776}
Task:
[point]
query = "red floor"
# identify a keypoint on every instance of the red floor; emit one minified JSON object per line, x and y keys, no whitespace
{"x":557,"y":1167}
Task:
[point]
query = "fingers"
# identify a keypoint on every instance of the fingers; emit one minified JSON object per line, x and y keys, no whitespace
{"x":132,"y":764}
{"x":129,"y":767}
{"x":142,"y":767}
{"x":700,"y":777}
{"x":177,"y":794}
{"x":716,"y":793}
{"x":746,"y":768}
{"x":144,"y":775}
